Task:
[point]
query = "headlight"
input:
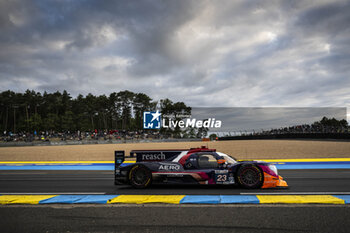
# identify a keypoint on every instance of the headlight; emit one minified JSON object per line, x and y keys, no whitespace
{"x":273,"y":168}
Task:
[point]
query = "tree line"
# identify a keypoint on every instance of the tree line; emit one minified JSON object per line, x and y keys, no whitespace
{"x":32,"y":111}
{"x":331,"y":122}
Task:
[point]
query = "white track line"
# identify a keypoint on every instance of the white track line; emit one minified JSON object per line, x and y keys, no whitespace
{"x":299,"y":193}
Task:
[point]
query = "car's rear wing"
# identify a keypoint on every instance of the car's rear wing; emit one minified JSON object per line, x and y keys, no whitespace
{"x":119,"y":157}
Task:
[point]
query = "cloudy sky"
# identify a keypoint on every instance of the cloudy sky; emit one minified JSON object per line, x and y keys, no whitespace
{"x":205,"y":53}
{"x":253,"y":118}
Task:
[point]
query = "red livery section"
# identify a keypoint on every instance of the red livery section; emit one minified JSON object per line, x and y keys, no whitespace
{"x":194,"y":150}
{"x":194,"y":166}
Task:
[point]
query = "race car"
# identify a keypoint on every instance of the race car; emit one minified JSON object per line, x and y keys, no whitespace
{"x":193,"y":166}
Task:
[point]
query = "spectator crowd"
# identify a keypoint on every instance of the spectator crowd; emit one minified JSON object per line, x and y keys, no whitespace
{"x":80,"y":135}
{"x":304,"y":129}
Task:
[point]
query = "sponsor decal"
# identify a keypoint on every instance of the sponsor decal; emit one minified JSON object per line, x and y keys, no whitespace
{"x":175,"y":175}
{"x":119,"y":161}
{"x":169,"y":167}
{"x":224,"y":177}
{"x":160,"y":156}
{"x":221,"y":171}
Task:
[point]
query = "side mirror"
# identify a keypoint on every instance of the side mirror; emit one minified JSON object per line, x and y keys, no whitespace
{"x":221,"y":161}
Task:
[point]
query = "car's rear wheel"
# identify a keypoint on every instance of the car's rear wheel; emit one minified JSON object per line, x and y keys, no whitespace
{"x":140,"y":176}
{"x":250,"y":176}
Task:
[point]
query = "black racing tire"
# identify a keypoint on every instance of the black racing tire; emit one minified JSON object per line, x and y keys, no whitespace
{"x":250,"y":176}
{"x":140,"y":176}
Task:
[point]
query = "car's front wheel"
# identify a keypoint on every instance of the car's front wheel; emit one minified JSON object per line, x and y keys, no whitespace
{"x":250,"y":176}
{"x":140,"y":176}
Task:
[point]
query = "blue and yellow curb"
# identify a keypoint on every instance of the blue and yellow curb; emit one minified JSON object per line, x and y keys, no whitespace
{"x":174,"y":199}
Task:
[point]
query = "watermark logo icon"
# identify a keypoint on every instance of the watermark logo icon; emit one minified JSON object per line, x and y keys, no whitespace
{"x":152,"y":120}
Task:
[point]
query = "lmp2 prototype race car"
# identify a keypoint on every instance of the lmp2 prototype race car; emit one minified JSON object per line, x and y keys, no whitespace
{"x":194,"y":166}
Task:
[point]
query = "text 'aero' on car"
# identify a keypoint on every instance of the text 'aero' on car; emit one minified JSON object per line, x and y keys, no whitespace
{"x":193,"y":166}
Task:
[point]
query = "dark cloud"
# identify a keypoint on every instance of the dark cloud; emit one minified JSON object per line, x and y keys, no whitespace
{"x":241,"y":119}
{"x":205,"y":53}
{"x":327,"y":19}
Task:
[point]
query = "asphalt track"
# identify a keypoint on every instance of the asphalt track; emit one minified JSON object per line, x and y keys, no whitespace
{"x":325,"y":181}
{"x":179,"y":218}
{"x":170,"y":218}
